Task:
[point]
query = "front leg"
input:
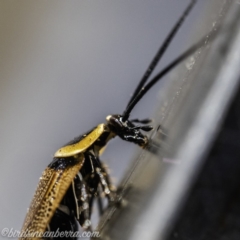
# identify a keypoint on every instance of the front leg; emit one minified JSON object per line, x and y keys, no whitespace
{"x":100,"y":171}
{"x":106,"y":183}
{"x":101,"y":177}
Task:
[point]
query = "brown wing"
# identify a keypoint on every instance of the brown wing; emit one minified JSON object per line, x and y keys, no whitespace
{"x":51,"y":189}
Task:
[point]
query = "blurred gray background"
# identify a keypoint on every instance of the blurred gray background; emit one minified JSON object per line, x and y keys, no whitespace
{"x":65,"y":66}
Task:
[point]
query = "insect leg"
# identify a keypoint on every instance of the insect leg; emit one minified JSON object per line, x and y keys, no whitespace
{"x":104,"y":169}
{"x":108,"y":187}
{"x":100,"y":203}
{"x":103,"y":176}
{"x":144,"y":128}
{"x":83,"y":203}
{"x":143,"y":121}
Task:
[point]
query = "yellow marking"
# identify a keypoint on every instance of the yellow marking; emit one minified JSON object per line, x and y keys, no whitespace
{"x":82,"y":145}
{"x":51,"y":189}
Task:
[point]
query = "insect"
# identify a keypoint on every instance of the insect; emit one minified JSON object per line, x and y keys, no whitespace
{"x":76,"y":176}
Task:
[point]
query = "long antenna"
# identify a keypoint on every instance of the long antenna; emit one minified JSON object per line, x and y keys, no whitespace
{"x":168,"y":68}
{"x":162,"y":50}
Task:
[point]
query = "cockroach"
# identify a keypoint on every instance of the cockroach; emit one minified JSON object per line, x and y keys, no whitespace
{"x":76,"y":177}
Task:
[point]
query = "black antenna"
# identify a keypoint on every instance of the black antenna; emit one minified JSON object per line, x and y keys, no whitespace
{"x":169,"y":67}
{"x":162,"y":50}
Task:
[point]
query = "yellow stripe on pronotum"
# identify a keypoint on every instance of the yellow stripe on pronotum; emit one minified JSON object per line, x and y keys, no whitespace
{"x":82,"y":145}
